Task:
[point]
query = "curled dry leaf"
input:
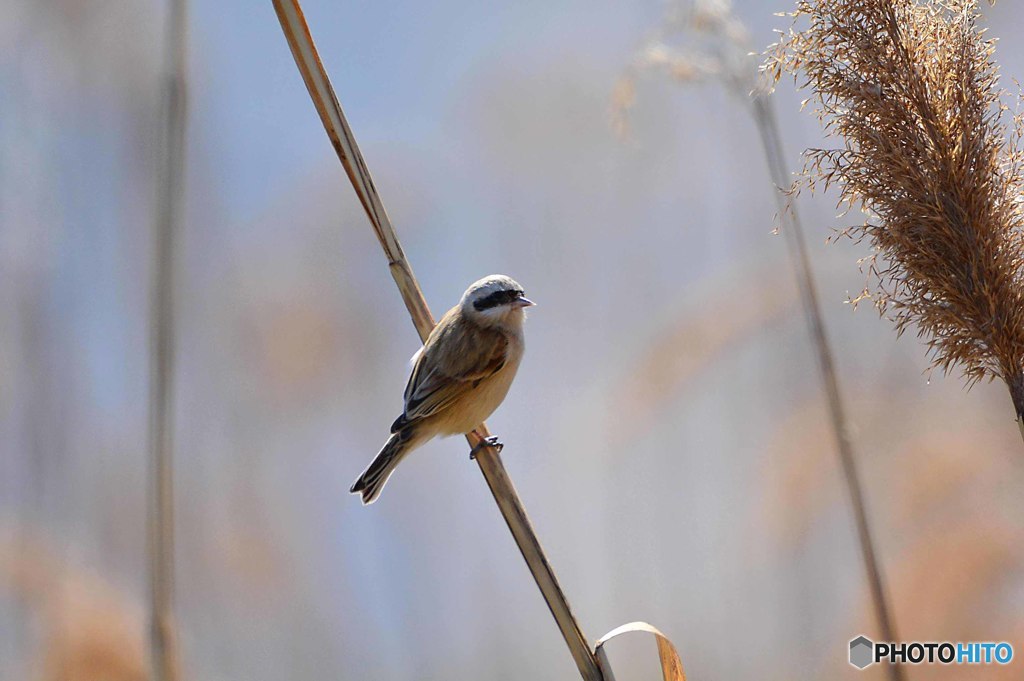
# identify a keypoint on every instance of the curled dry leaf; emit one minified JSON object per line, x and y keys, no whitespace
{"x":671,"y":665}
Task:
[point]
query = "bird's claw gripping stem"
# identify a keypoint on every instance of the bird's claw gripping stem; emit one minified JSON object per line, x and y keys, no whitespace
{"x":491,"y":441}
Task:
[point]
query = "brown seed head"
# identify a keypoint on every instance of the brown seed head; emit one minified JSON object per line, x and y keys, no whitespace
{"x":911,"y":89}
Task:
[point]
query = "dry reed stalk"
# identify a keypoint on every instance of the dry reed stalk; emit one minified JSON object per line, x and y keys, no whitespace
{"x":768,"y":127}
{"x":593,"y":665}
{"x":724,"y":55}
{"x":307,"y":59}
{"x":170,"y":193}
{"x":912,"y":90}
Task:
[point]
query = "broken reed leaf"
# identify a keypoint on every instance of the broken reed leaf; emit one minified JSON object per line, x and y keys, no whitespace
{"x":911,"y":90}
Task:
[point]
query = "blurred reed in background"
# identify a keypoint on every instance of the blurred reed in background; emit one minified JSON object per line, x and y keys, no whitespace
{"x":723,"y":54}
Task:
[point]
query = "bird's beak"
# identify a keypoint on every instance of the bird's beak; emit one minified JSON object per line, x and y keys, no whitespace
{"x":525,"y":302}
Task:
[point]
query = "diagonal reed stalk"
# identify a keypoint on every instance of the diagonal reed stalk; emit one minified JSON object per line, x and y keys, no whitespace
{"x":170,"y":192}
{"x":307,"y":59}
{"x":768,"y":128}
{"x":726,"y":57}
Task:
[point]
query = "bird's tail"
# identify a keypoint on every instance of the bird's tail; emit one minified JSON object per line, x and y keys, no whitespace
{"x":371,"y":482}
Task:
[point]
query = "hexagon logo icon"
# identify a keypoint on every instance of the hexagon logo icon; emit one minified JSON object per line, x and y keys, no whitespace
{"x":862,"y":652}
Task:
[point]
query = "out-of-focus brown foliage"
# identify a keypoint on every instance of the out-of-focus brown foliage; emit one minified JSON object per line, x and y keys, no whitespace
{"x":969,"y":474}
{"x":955,"y":577}
{"x":912,"y":90}
{"x":730,"y":310}
{"x":88,"y":630}
{"x":952,"y":585}
{"x":797,"y":474}
{"x":91,"y":636}
{"x":953,"y":535}
{"x":294,"y":343}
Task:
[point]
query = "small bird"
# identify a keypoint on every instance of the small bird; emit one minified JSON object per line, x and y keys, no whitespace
{"x":459,"y":377}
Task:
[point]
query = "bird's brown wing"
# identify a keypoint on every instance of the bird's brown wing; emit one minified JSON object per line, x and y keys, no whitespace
{"x":454,"y":360}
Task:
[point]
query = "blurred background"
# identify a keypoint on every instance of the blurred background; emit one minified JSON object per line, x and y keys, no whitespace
{"x":667,"y":430}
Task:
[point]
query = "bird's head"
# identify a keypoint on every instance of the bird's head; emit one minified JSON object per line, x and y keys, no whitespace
{"x":496,"y":300}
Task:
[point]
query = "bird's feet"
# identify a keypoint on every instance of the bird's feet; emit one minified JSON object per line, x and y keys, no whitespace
{"x":491,"y":441}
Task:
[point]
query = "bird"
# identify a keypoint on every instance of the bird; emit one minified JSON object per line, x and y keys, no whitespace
{"x":459,"y":377}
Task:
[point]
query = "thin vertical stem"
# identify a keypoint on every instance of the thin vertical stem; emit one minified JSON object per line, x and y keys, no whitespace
{"x":768,"y":127}
{"x":307,"y":59}
{"x":170,"y":192}
{"x":1016,"y":385}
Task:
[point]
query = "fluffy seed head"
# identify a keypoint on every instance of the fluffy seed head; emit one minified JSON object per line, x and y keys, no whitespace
{"x":929,"y":154}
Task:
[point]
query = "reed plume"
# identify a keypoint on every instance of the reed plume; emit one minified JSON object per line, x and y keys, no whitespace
{"x":929,"y":153}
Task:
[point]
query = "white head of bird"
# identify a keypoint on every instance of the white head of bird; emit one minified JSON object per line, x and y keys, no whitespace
{"x":496,"y":300}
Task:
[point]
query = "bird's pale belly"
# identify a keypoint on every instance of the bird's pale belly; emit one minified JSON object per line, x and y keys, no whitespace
{"x":478,"y":404}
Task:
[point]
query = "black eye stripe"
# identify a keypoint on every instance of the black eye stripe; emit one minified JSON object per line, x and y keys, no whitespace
{"x":497,"y":298}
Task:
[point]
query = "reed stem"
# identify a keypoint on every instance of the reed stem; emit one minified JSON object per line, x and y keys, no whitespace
{"x":170,"y":191}
{"x":768,"y":127}
{"x":307,"y":59}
